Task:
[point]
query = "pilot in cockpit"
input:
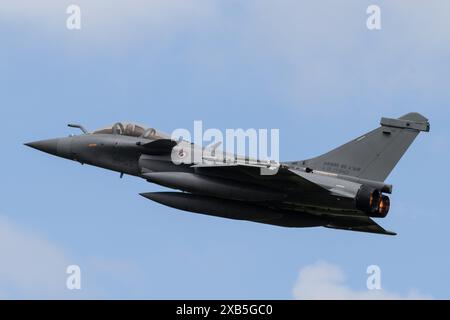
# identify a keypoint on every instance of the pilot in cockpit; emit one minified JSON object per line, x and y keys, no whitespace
{"x":133,"y":130}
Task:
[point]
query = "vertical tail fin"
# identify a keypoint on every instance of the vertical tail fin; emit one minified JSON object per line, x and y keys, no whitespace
{"x":373,"y":155}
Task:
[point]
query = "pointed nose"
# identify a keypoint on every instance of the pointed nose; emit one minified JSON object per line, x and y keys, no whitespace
{"x":49,"y":146}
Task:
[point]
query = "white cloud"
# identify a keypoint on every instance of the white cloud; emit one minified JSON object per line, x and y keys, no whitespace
{"x":327,"y":281}
{"x":124,"y":272}
{"x":31,"y":266}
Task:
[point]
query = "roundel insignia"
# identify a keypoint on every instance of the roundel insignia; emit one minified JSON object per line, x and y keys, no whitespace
{"x":182,"y":154}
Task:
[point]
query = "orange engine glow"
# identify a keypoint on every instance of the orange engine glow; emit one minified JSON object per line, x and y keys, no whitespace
{"x":384,"y":205}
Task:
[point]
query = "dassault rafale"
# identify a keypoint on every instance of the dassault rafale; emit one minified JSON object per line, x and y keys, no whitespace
{"x":343,"y":189}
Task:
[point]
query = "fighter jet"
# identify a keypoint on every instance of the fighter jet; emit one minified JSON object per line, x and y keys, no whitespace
{"x":342,"y":189}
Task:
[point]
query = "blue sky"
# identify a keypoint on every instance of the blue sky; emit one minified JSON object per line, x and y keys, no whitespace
{"x":312,"y":70}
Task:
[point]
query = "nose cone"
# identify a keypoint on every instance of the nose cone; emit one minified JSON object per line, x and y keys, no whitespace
{"x":49,"y":146}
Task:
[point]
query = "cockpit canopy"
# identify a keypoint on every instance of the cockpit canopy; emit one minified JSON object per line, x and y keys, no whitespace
{"x":132,"y":130}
